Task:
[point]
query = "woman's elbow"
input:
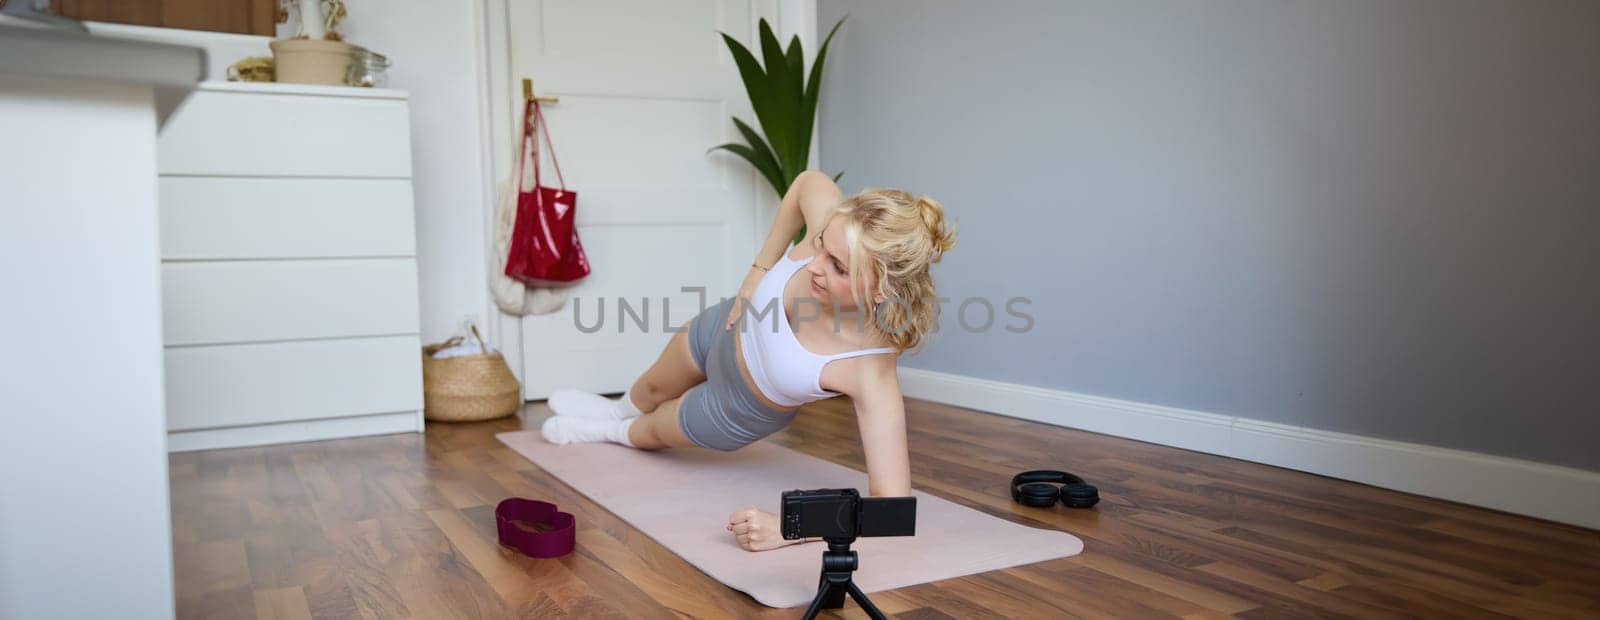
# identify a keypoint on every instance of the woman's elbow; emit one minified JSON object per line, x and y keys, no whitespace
{"x":813,"y":180}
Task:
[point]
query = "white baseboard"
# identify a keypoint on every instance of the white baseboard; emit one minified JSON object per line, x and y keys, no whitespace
{"x":1551,"y":492}
{"x":291,"y":432}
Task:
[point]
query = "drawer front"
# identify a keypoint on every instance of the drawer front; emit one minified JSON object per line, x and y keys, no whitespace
{"x":235,"y":385}
{"x":231,"y":217}
{"x":254,"y":134}
{"x":252,"y":301}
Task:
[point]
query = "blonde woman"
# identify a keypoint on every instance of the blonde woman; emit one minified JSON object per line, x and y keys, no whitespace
{"x":723,"y":383}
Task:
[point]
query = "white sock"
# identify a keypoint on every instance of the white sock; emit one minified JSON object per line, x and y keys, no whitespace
{"x":576,"y":403}
{"x":568,"y":429}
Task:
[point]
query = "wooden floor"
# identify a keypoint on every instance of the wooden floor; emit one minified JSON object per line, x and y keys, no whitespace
{"x":403,"y":526}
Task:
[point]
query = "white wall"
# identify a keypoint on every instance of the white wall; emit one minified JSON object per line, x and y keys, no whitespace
{"x":1372,"y":218}
{"x":435,"y":52}
{"x":1353,"y":238}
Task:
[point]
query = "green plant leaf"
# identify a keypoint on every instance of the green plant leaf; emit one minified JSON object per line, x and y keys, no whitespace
{"x":761,"y":161}
{"x":755,"y":85}
{"x":784,"y":132}
{"x":769,"y":165}
{"x":797,"y":73}
{"x":808,"y":105}
{"x":785,"y":104}
{"x":795,"y":57}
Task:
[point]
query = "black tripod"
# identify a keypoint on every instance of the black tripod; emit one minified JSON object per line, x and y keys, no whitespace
{"x":838,"y":562}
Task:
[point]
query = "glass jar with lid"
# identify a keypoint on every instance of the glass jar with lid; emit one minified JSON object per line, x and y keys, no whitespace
{"x":367,"y":68}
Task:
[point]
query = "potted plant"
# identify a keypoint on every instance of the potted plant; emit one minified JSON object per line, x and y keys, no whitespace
{"x":317,"y":54}
{"x":785,"y":104}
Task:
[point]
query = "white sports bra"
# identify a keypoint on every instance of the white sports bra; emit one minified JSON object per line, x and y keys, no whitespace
{"x":786,"y":372}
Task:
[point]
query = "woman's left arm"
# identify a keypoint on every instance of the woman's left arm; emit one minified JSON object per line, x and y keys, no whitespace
{"x":881,"y":417}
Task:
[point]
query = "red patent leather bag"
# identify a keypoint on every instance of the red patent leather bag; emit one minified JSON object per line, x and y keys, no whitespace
{"x":545,"y":250}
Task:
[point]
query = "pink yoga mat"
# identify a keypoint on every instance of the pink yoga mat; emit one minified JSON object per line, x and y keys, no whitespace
{"x":681,"y":498}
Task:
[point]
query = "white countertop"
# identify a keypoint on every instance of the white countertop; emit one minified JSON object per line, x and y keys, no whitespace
{"x":34,"y":50}
{"x":61,"y":53}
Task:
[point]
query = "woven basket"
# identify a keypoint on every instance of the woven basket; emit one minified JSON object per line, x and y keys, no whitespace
{"x":467,"y":388}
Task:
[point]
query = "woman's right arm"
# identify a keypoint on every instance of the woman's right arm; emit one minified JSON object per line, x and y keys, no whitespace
{"x":784,"y":226}
{"x":788,"y":221}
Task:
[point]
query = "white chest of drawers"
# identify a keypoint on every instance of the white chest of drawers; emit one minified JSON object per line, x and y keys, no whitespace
{"x":289,"y":271}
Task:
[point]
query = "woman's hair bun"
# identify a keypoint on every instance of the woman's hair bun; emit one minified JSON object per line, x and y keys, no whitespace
{"x":940,"y":237}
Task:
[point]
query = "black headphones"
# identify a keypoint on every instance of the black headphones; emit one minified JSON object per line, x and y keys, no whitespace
{"x":1074,"y":492}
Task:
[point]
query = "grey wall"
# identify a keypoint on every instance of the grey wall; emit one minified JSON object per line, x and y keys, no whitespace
{"x":1372,"y":217}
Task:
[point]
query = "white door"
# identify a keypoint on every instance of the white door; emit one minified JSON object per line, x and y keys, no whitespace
{"x":645,"y":88}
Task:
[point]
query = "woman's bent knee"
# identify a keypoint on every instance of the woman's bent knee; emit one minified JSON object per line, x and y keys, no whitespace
{"x":649,"y":391}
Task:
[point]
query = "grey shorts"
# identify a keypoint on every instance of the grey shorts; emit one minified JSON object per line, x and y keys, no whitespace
{"x":722,"y":413}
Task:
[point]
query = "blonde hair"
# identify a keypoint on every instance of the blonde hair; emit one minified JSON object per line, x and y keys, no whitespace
{"x":901,"y":235}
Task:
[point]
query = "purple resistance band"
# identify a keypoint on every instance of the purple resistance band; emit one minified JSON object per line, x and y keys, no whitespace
{"x":554,"y":543}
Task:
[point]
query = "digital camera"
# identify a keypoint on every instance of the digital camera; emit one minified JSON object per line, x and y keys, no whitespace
{"x":844,"y":514}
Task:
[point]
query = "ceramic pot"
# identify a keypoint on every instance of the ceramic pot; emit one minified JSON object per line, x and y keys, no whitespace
{"x":310,"y":61}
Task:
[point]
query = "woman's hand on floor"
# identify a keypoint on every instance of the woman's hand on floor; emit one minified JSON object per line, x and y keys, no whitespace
{"x":757,"y":530}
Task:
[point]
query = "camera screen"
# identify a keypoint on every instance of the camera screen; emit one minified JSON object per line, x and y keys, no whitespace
{"x":835,"y":516}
